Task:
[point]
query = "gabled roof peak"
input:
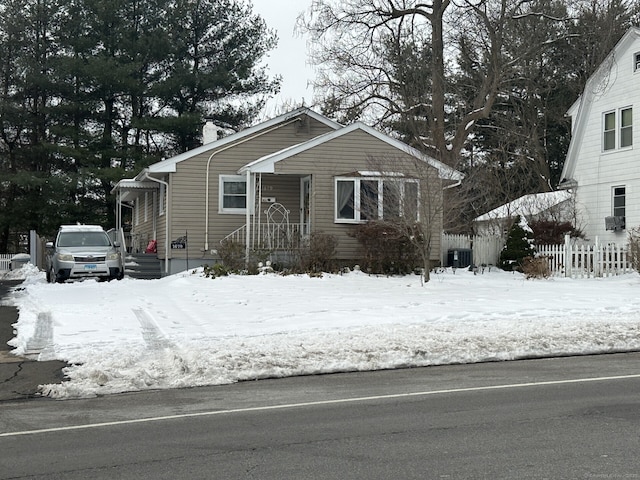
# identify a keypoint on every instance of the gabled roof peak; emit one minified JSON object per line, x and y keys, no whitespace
{"x":169,"y":165}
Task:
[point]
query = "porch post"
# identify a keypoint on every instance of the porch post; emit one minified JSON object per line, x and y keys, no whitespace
{"x":248,"y":219}
{"x":118,"y":210}
{"x":568,"y":257}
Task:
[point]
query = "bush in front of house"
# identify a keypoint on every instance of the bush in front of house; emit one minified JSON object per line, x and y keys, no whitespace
{"x":536,"y":267}
{"x":517,"y":247}
{"x":232,"y":255}
{"x":386,"y":249}
{"x":215,"y":271}
{"x":317,"y":254}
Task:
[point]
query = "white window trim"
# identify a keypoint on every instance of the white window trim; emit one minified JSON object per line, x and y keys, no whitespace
{"x":627,"y":147}
{"x":636,"y":62}
{"x":374,"y":176}
{"x":231,"y":178}
{"x":617,"y":129}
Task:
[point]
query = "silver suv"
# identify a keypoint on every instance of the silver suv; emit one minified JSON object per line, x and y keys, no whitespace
{"x":82,"y":251}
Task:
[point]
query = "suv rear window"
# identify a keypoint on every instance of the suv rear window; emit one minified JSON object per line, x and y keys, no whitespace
{"x":83,"y":239}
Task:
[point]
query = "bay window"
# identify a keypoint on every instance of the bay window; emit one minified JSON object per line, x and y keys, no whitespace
{"x":359,"y":199}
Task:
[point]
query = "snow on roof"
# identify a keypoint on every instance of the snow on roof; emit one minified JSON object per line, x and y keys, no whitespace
{"x":527,"y":205}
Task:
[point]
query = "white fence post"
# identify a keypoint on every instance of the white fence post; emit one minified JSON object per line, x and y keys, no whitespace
{"x":568,"y":257}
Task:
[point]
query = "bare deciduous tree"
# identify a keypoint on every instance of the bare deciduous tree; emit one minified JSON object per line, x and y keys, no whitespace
{"x":406,"y":194}
{"x":366,"y":49}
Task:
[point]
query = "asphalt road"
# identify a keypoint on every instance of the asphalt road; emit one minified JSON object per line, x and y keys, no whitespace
{"x":567,"y":418}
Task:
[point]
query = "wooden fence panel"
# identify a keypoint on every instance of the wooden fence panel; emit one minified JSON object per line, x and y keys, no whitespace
{"x":486,"y":249}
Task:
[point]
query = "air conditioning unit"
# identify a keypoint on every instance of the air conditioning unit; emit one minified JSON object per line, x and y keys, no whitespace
{"x":614,"y":223}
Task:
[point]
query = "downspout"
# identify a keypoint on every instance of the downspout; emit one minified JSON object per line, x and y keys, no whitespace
{"x":166,"y":221}
{"x":206,"y":195}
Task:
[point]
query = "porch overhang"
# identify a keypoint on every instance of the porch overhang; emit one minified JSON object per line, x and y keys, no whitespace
{"x":130,"y":188}
{"x":267,"y":163}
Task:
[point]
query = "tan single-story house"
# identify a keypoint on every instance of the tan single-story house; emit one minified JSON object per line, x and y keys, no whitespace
{"x":273,"y":183}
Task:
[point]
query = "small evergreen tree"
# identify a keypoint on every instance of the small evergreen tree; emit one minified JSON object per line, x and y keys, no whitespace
{"x":517,"y":247}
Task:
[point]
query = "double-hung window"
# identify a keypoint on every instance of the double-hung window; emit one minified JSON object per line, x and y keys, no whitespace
{"x":617,"y":129}
{"x":359,"y":199}
{"x":619,"y":201}
{"x":233,"y":194}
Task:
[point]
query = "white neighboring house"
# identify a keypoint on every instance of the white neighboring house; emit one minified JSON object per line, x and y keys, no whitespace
{"x":556,"y":206}
{"x":602,"y":166}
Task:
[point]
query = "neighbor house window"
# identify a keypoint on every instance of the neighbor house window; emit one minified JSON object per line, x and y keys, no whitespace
{"x":617,"y":129}
{"x":233,"y":194}
{"x":636,"y":62}
{"x":609,"y":139}
{"x":619,"y":201}
{"x":626,"y":127}
{"x":360,"y":199}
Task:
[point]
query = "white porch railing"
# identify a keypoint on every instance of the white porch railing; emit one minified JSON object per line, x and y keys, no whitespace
{"x":268,"y":236}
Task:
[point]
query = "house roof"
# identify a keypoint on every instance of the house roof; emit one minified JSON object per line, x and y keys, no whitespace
{"x":169,"y":165}
{"x":267,"y":163}
{"x":526,"y":206}
{"x":580,"y":110}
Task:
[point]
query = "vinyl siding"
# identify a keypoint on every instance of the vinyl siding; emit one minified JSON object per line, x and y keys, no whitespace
{"x":597,"y":172}
{"x":188,"y":186}
{"x":356,"y":151}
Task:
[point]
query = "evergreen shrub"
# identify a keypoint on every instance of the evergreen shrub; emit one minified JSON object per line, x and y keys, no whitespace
{"x":517,"y":247}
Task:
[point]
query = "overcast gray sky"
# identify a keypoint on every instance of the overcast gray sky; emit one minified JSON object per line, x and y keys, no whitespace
{"x":289,"y":59}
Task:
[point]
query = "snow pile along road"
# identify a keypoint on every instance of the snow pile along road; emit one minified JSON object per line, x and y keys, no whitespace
{"x":186,"y":330}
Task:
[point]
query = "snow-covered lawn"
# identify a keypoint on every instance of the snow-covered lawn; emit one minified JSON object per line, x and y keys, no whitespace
{"x":188,"y":330}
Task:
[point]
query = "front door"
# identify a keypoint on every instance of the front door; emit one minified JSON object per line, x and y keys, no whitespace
{"x":305,"y":206}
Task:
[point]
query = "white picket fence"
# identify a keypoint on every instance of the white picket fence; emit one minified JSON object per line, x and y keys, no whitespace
{"x":586,"y":260}
{"x":567,"y":260}
{"x":5,"y":261}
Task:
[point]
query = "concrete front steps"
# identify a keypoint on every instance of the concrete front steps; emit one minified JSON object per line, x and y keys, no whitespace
{"x":145,"y":266}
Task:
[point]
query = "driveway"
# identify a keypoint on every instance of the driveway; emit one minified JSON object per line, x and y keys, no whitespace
{"x":20,"y":376}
